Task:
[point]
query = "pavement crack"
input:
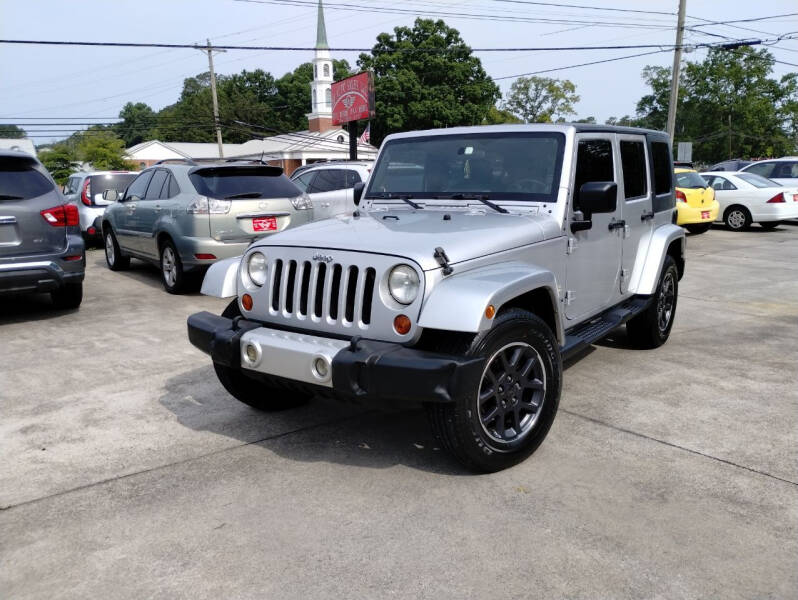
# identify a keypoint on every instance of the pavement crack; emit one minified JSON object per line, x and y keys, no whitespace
{"x":181,"y":462}
{"x":678,"y":447}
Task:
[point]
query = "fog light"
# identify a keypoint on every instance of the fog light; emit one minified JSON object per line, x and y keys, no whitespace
{"x":401,"y":324}
{"x":321,"y":368}
{"x":246,"y":302}
{"x":252,"y":353}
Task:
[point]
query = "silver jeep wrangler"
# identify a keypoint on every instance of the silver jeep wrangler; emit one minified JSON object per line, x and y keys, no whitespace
{"x":477,"y":260}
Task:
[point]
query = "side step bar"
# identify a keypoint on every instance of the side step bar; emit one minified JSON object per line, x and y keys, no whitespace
{"x":579,"y":337}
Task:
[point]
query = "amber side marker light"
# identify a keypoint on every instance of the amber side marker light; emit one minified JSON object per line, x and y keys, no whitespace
{"x":401,"y":324}
{"x":490,"y":312}
{"x":246,"y":301}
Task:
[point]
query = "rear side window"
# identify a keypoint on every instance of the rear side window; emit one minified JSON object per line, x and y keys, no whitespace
{"x":593,"y":163}
{"x":18,"y":181}
{"x":633,"y":161}
{"x":720,"y":183}
{"x":661,"y":157}
{"x":230,"y":183}
{"x":174,"y":189}
{"x":764,"y":169}
{"x":785,"y":170}
{"x":72,"y":185}
{"x":328,"y":180}
{"x":156,"y":185}
{"x":138,"y":188}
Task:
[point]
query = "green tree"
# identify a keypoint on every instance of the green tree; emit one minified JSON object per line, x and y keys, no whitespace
{"x":590,"y":120}
{"x":103,"y":149}
{"x":498,"y":116}
{"x":624,"y":121}
{"x":12,"y":132}
{"x":541,"y":99}
{"x":293,"y":95}
{"x":138,"y":120}
{"x":426,"y":77}
{"x":60,"y":160}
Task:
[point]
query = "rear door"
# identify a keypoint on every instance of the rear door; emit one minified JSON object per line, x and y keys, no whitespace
{"x":726,"y":192}
{"x":26,"y":191}
{"x":330,"y":194}
{"x":637,"y":212}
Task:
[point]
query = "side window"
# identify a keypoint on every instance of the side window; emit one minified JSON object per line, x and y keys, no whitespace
{"x":174,"y":189}
{"x":72,"y":185}
{"x":303,"y":181}
{"x":593,"y":163}
{"x":785,"y":170}
{"x":661,"y":158}
{"x":328,"y":180}
{"x":633,"y":161}
{"x":138,"y":188}
{"x":352,"y":177}
{"x":765,"y":169}
{"x":721,"y":183}
{"x":154,"y":189}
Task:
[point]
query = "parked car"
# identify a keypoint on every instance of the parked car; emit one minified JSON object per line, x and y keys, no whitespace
{"x":696,"y":207}
{"x":746,"y":198}
{"x":733,"y":164}
{"x":85,"y":190}
{"x":461,"y":283}
{"x":330,"y":185}
{"x":185,"y":216}
{"x":41,"y":249}
{"x":781,"y":170}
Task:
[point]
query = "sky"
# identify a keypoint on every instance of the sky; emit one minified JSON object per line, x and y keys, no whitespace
{"x":51,"y":84}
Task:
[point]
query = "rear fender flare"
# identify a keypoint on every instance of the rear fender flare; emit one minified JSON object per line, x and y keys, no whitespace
{"x":648,"y":264}
{"x":221,"y":280}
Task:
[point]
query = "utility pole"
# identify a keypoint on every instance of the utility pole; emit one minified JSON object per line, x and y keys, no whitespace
{"x":730,"y":154}
{"x":677,"y":61}
{"x":216,"y":123}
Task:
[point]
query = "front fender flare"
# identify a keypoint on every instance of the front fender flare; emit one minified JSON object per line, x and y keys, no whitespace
{"x":222,"y":278}
{"x":458,"y":303}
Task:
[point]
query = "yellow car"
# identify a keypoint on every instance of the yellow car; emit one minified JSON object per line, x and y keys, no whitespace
{"x":696,"y":207}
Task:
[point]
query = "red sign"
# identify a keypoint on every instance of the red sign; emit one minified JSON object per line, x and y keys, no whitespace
{"x":264,"y":224}
{"x":353,"y":98}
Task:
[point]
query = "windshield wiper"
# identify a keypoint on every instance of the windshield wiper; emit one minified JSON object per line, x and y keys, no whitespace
{"x":9,"y":197}
{"x":482,"y":198}
{"x":403,"y":197}
{"x":243,"y":195}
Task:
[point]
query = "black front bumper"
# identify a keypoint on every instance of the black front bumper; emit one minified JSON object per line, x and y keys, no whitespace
{"x":367,"y":371}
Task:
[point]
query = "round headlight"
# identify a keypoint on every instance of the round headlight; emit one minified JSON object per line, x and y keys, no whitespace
{"x":403,"y":284}
{"x":256,"y":268}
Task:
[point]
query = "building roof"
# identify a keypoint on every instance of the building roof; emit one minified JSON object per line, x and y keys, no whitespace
{"x":159,"y":149}
{"x":321,"y":30}
{"x":20,"y":144}
{"x":303,"y":142}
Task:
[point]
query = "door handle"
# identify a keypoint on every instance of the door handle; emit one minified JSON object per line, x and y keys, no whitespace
{"x":157,"y":208}
{"x":131,"y":207}
{"x":619,"y":224}
{"x":646,"y":216}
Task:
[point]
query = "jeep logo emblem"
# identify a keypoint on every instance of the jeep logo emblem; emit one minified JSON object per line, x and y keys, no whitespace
{"x":323,"y":257}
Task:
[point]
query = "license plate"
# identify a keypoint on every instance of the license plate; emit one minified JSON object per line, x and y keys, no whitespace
{"x":264,"y":224}
{"x":704,"y":214}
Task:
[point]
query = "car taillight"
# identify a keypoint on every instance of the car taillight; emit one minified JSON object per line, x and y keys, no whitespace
{"x":778,"y":198}
{"x":85,"y":195}
{"x":64,"y":215}
{"x":680,"y":197}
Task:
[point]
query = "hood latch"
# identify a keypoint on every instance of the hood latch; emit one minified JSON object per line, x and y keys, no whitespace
{"x":443,"y":260}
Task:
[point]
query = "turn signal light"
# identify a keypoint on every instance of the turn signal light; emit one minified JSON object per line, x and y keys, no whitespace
{"x":246,"y":301}
{"x":401,"y":324}
{"x":490,"y":312}
{"x":777,"y":199}
{"x":85,"y":195}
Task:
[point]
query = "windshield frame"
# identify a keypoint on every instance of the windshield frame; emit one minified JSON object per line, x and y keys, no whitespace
{"x":496,"y":196}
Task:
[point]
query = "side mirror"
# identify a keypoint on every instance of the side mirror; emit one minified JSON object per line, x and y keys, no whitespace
{"x":594,"y":197}
{"x":111,"y":195}
{"x":358,"y":192}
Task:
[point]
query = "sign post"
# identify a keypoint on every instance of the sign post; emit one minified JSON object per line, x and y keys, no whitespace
{"x":353,"y":100}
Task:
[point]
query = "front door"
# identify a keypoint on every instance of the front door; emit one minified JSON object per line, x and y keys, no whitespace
{"x":637,"y":210}
{"x":126,"y":220}
{"x":148,"y":211}
{"x":594,"y":259}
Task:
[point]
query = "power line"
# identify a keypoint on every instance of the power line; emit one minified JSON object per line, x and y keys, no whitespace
{"x":595,"y":62}
{"x":602,"y":8}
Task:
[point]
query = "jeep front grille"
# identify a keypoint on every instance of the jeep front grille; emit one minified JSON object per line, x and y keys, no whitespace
{"x":334,"y":292}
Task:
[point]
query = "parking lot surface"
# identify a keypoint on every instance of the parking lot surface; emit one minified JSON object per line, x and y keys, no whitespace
{"x":127,"y":472}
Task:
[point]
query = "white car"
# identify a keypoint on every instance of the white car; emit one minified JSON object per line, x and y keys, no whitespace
{"x":781,"y":170}
{"x":329,"y":185}
{"x":747,"y":198}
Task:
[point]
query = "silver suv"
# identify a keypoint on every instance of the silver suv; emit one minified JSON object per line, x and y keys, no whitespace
{"x":330,"y":185}
{"x":184,"y":217}
{"x":41,"y":249}
{"x":479,"y":259}
{"x":85,"y":190}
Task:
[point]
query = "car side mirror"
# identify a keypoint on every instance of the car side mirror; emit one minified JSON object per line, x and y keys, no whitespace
{"x":111,"y":195}
{"x":357,"y":190}
{"x":594,"y":197}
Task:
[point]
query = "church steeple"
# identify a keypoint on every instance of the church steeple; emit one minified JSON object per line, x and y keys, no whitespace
{"x":320,"y":116}
{"x":321,"y":30}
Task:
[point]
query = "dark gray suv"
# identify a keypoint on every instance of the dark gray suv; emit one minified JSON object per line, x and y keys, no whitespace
{"x":41,"y":248}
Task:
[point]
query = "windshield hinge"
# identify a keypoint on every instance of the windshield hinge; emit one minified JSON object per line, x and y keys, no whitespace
{"x":443,"y":260}
{"x":569,"y":249}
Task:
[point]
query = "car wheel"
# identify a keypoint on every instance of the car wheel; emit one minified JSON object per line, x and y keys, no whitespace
{"x":113,"y":255}
{"x":172,"y":274}
{"x":737,"y":218}
{"x":770,"y":224}
{"x":67,"y":296}
{"x":698,"y":228}
{"x":651,"y":328}
{"x":510,"y":413}
{"x":251,"y":391}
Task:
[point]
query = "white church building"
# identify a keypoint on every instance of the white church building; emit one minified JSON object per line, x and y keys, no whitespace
{"x":320,"y":142}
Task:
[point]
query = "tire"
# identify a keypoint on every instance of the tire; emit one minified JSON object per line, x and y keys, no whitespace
{"x":67,"y":296}
{"x":172,"y":275}
{"x":498,"y":425}
{"x":769,"y":224}
{"x":113,"y":255}
{"x":698,"y":228}
{"x":651,"y":328}
{"x":737,"y":218}
{"x":253,"y":392}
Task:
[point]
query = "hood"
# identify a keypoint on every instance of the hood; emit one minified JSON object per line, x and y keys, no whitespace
{"x":416,"y":234}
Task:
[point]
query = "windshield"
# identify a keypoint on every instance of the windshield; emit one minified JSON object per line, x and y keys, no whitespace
{"x":243,"y":182}
{"x":498,"y":166}
{"x":690,"y":179}
{"x":758,"y":180}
